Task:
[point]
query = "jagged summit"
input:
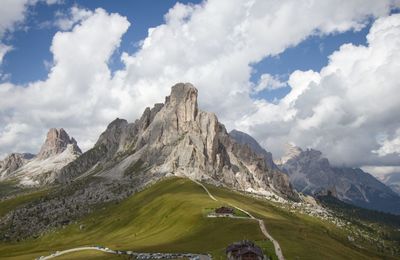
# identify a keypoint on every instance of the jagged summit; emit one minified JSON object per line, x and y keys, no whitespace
{"x":56,"y":142}
{"x":176,"y":138}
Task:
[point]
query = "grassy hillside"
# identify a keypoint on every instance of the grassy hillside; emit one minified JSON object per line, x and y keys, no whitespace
{"x":169,"y":217}
{"x":27,"y":196}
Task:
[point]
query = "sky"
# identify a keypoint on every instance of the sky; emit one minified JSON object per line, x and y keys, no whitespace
{"x":316,"y":74}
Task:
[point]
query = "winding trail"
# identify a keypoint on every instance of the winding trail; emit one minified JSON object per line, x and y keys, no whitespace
{"x":278,"y":250}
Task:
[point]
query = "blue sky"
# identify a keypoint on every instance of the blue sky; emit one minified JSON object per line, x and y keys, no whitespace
{"x":26,"y":63}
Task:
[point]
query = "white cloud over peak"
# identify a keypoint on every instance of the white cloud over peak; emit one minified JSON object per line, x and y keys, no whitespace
{"x":213,"y":45}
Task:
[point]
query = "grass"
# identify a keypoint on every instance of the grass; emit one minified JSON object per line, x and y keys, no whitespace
{"x":169,"y":217}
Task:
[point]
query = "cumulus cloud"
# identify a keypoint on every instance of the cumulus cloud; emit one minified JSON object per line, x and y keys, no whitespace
{"x":213,"y":45}
{"x":347,"y":110}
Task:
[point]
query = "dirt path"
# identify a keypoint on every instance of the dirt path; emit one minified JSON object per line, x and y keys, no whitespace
{"x":278,"y":250}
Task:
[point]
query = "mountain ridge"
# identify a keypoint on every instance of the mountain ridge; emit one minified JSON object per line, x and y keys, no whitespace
{"x":311,"y":173}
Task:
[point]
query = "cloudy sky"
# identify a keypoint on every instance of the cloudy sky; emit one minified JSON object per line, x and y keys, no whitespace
{"x":317,"y":74}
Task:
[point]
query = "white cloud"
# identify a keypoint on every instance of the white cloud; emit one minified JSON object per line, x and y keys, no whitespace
{"x":12,"y":12}
{"x":3,"y":50}
{"x":74,"y":16}
{"x":346,"y":108}
{"x":389,"y":146}
{"x":213,"y":45}
{"x":270,"y":82}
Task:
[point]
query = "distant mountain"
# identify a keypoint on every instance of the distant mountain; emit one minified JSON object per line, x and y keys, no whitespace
{"x":392,"y":180}
{"x":13,"y":162}
{"x":311,"y":173}
{"x":245,"y":139}
{"x":57,"y":151}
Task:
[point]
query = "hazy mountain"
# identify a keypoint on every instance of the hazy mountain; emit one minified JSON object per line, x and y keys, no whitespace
{"x":311,"y":173}
{"x":392,"y":180}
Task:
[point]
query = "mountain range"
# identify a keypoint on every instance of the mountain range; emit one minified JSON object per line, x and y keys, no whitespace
{"x":175,"y":138}
{"x":169,"y":145}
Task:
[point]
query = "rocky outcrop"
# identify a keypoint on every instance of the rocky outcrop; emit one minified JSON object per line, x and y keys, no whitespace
{"x":176,"y":138}
{"x":311,"y":173}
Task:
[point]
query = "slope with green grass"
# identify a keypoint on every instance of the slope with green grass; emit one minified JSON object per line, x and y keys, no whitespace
{"x":169,"y":217}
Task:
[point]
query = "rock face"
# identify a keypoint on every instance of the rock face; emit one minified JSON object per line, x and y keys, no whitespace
{"x":13,"y":162}
{"x":176,"y":138}
{"x":311,"y":173}
{"x":57,"y":151}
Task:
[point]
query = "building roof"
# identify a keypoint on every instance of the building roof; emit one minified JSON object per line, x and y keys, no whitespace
{"x":224,"y":210}
{"x":244,"y":247}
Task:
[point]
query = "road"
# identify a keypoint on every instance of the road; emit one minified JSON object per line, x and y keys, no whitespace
{"x":58,"y":253}
{"x":278,"y":250}
{"x":134,"y":254}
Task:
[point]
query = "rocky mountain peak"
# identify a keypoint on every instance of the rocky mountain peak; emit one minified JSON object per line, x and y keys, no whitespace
{"x":176,"y":138}
{"x":56,"y":142}
{"x":183,"y":100}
